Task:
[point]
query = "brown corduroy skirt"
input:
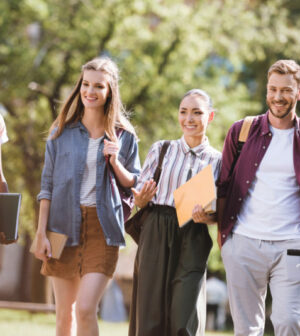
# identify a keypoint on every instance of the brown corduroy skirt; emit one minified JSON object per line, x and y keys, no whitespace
{"x":92,"y":255}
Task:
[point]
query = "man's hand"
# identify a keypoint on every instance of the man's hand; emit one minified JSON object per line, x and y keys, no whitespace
{"x":141,"y":198}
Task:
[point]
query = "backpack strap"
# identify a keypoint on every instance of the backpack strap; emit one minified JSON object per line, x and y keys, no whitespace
{"x":162,"y":153}
{"x":245,"y":128}
{"x":243,"y":136}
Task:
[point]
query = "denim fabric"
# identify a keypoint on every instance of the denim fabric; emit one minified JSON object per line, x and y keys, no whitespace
{"x":65,"y":159}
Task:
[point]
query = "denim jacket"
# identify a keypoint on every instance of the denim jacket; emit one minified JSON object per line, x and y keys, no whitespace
{"x":65,"y":160}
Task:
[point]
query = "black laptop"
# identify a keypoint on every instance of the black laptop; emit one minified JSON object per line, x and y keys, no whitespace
{"x":10,"y":204}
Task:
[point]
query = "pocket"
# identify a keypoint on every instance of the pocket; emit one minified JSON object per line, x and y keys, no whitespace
{"x":292,"y":260}
{"x":292,"y":267}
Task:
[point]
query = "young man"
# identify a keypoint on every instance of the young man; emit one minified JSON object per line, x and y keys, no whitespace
{"x":259,"y":211}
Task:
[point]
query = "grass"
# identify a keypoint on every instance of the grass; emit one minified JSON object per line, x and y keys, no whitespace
{"x":23,"y":323}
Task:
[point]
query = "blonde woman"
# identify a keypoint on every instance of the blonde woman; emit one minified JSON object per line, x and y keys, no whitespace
{"x":76,"y":195}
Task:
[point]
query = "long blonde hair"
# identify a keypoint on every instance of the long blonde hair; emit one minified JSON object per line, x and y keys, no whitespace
{"x":114,"y":111}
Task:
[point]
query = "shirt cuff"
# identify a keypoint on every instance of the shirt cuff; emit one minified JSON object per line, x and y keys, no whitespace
{"x":44,"y":194}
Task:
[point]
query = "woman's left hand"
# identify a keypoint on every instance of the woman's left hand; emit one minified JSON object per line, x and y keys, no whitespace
{"x":111,"y":149}
{"x":200,"y":216}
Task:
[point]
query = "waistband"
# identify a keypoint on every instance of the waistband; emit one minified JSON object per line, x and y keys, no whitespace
{"x":87,"y":209}
{"x":165,"y":209}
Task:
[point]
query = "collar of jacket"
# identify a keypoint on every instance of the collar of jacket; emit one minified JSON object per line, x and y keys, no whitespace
{"x":79,"y":124}
{"x":265,"y":124}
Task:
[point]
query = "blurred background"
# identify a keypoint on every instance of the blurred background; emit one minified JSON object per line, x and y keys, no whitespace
{"x":163,"y":48}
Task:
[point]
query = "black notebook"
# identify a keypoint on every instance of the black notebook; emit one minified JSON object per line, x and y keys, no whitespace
{"x":9,"y":214}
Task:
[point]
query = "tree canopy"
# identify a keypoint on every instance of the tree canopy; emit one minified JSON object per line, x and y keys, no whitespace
{"x":163,"y":48}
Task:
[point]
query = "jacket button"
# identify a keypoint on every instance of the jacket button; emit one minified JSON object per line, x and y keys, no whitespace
{"x":223,"y":236}
{"x":270,"y":134}
{"x":232,"y":217}
{"x":240,"y":199}
{"x":247,"y":182}
{"x":264,"y":147}
{"x":255,"y":164}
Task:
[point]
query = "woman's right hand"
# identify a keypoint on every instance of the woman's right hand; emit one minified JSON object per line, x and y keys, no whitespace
{"x":145,"y":195}
{"x":43,"y":247}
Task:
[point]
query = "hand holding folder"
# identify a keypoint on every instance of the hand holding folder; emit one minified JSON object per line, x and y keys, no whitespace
{"x":200,"y":189}
{"x":57,"y":242}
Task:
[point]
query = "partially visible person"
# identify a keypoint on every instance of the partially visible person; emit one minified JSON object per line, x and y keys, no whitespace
{"x":3,"y":183}
{"x":112,"y":307}
{"x":259,"y":211}
{"x":170,"y":267}
{"x":217,"y":299}
{"x":86,"y":157}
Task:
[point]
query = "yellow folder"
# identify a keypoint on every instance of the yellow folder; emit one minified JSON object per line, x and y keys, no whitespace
{"x":200,"y":189}
{"x":57,"y":242}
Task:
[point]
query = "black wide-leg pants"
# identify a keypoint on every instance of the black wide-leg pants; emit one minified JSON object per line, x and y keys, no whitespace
{"x":168,"y":296}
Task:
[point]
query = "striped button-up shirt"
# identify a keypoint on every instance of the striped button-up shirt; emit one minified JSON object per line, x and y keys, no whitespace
{"x":176,"y":165}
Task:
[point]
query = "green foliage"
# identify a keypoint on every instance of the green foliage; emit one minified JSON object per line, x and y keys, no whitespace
{"x":163,"y":48}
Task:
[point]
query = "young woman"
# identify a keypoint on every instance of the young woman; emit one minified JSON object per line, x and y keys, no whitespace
{"x":170,"y":266}
{"x":79,"y":195}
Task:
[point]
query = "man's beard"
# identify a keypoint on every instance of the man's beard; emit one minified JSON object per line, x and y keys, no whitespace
{"x":289,"y":109}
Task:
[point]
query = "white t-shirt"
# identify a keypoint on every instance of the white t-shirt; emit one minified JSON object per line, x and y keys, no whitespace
{"x":271,"y":210}
{"x":88,"y":183}
{"x":3,"y":134}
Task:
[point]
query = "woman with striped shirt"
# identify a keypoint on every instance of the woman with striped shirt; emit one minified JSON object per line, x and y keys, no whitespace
{"x":170,"y":267}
